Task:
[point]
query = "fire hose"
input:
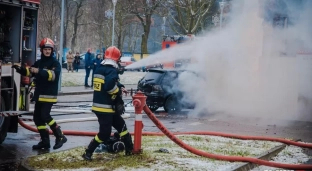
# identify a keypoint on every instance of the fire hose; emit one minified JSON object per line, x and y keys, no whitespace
{"x":198,"y":152}
{"x":138,"y":106}
{"x":124,"y":116}
{"x":230,"y":158}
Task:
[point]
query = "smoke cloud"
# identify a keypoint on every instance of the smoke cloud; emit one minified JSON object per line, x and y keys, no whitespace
{"x":250,"y":67}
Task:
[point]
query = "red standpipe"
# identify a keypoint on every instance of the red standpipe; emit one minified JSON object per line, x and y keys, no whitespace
{"x":139,"y":101}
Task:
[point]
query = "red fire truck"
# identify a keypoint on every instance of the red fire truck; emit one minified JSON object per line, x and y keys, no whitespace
{"x":18,"y":40}
{"x":170,"y":41}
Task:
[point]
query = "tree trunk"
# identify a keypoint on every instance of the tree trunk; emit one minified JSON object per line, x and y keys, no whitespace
{"x":119,"y":41}
{"x":73,"y":42}
{"x":147,"y":28}
{"x":50,"y":29}
{"x":144,"y":44}
{"x":66,"y":24}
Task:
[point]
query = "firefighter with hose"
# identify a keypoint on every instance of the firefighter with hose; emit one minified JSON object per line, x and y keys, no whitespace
{"x":108,"y":106}
{"x":46,"y":71}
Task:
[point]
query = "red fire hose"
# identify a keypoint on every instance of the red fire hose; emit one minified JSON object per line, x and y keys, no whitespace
{"x":198,"y":152}
{"x":139,"y":104}
{"x":83,"y":133}
{"x":222,"y":157}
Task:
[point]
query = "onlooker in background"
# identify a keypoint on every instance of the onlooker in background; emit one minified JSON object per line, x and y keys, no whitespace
{"x":77,"y":62}
{"x":70,"y":60}
{"x":96,"y":63}
{"x":88,"y":66}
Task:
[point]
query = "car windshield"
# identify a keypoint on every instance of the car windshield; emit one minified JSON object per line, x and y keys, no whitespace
{"x":82,"y":56}
{"x":153,"y":76}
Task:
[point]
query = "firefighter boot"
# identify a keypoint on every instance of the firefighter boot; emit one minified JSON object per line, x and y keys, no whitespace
{"x":60,"y":138}
{"x":45,"y":140}
{"x":89,"y":151}
{"x":127,"y":140}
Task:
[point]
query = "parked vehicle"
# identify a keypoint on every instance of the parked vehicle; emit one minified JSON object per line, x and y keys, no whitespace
{"x":149,"y":67}
{"x":174,"y":40}
{"x":161,"y":87}
{"x":126,"y":60}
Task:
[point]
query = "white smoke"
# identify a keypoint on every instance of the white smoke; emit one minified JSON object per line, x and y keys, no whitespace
{"x":249,"y":68}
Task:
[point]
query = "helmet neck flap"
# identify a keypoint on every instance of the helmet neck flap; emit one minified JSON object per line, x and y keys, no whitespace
{"x":109,"y":62}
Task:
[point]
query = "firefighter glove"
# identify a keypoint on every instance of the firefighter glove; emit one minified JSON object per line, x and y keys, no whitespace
{"x":119,"y":109}
{"x":119,"y":106}
{"x":34,"y":70}
{"x":17,"y":68}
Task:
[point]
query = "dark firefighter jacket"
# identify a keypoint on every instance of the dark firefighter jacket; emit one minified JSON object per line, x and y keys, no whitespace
{"x":106,"y":88}
{"x":46,"y":79}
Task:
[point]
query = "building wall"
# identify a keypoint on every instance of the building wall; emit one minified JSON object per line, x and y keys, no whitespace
{"x":137,"y":56}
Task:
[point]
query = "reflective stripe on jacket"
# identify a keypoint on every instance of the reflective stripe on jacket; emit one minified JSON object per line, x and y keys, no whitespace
{"x":47,"y":98}
{"x":47,"y":79}
{"x":105,"y":89}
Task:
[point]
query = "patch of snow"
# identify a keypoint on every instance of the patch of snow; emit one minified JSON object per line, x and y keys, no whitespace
{"x":77,"y":78}
{"x":181,"y":159}
{"x":290,"y":155}
{"x":80,"y":169}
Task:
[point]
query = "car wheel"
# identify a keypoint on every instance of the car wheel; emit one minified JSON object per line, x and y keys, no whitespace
{"x":153,"y":108}
{"x":172,"y":105}
{"x":4,"y":121}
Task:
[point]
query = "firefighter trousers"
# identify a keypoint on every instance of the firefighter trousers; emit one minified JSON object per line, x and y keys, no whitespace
{"x":106,"y":122}
{"x":42,"y":114}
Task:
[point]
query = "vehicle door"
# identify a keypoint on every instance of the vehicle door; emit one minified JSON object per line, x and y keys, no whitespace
{"x":82,"y":60}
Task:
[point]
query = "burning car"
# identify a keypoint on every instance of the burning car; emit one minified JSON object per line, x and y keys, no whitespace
{"x":161,"y":86}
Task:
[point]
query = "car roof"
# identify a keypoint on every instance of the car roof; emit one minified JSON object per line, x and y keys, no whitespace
{"x":166,"y":69}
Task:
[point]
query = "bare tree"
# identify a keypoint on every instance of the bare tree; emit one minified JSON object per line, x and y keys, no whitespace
{"x":186,"y":16}
{"x":85,"y":24}
{"x":143,"y":10}
{"x":49,"y":17}
{"x":132,"y":34}
{"x":103,"y":25}
{"x":77,"y":15}
{"x":100,"y":21}
{"x":69,"y":11}
{"x":124,"y":21}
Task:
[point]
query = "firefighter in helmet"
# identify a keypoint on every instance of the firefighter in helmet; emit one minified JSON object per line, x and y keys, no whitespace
{"x":108,"y":105}
{"x":46,"y":71}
